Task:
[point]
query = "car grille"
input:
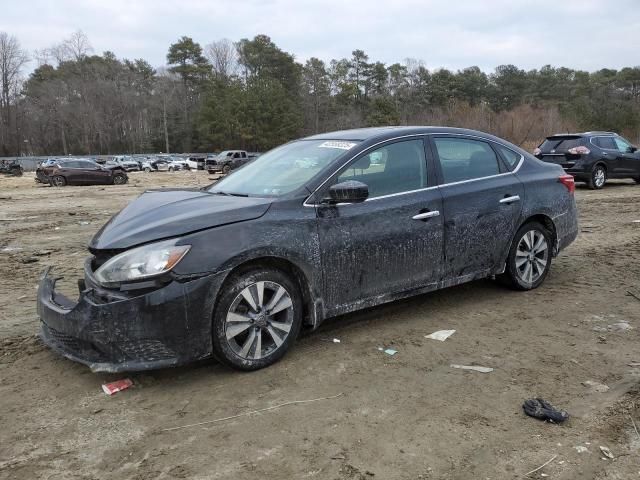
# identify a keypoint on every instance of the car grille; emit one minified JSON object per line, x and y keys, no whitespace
{"x":146,"y":350}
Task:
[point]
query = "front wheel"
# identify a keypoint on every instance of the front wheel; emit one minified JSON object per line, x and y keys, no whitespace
{"x":598,"y":178}
{"x":529,"y":258}
{"x":226,"y":169}
{"x":257,"y":318}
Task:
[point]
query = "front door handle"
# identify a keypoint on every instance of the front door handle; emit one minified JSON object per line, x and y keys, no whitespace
{"x":511,"y":199}
{"x":426,"y":215}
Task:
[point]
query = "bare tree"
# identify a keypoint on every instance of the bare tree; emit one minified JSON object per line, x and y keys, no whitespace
{"x":223,"y":57}
{"x":77,"y":45}
{"x":12,"y":59}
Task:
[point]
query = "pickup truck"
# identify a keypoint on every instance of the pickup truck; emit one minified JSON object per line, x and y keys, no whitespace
{"x":227,"y":161}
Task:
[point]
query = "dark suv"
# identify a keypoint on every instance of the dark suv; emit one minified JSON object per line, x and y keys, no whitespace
{"x":592,"y":157}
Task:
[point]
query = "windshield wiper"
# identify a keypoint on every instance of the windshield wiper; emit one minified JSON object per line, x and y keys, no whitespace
{"x":231,"y":194}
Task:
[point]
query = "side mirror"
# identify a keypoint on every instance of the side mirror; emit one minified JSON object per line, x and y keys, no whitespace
{"x":632,"y":149}
{"x":350,"y":191}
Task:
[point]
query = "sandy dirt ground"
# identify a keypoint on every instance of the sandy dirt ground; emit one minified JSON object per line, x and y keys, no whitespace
{"x":408,"y":416}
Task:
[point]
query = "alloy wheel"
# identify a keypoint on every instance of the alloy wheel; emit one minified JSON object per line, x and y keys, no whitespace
{"x":599,"y":177}
{"x":259,"y":320}
{"x":532,"y":256}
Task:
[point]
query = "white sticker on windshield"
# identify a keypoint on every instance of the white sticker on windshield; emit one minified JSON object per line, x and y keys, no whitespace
{"x":340,"y":145}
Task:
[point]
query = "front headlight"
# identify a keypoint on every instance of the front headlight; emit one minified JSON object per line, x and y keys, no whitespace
{"x":142,"y":262}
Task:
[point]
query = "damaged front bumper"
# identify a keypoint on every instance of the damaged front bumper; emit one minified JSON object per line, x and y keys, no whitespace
{"x":113,"y":331}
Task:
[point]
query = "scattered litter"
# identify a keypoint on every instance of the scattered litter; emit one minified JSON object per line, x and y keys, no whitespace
{"x":602,"y":339}
{"x":71,"y":213}
{"x":473,"y":367}
{"x":441,"y":335}
{"x":541,"y":466}
{"x":388,"y":351}
{"x":581,"y":449}
{"x":634,"y":426}
{"x":252,"y":412}
{"x":332,"y":340}
{"x":544,"y":475}
{"x":634,"y":364}
{"x":336,"y":340}
{"x":543,"y":410}
{"x":620,"y":327}
{"x":607,"y":452}
{"x":635,"y":221}
{"x":595,"y":386}
{"x":117,"y":386}
{"x":84,"y":222}
{"x":11,"y":249}
{"x":637,"y":297}
{"x":29,"y":260}
{"x":57,"y":228}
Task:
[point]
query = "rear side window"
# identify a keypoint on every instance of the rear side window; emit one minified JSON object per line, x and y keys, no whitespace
{"x":560,"y":144}
{"x":464,"y":159}
{"x":605,"y":142}
{"x":510,"y":156}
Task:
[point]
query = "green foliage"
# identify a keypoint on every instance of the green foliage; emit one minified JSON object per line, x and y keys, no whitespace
{"x":100,"y":104}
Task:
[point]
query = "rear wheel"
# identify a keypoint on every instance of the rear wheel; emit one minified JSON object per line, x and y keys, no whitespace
{"x":58,"y":181}
{"x":119,"y":179}
{"x":257,"y":318}
{"x":147,"y":169}
{"x":598,"y":177}
{"x":529,"y":258}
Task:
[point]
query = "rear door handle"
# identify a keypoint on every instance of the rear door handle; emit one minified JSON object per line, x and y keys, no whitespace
{"x":426,"y":215}
{"x":511,"y":199}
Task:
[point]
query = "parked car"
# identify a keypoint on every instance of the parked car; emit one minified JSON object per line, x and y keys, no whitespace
{"x":296,"y":244}
{"x":11,"y":168}
{"x":196,"y":162}
{"x":592,"y":157}
{"x":227,"y":161}
{"x":126,"y":162}
{"x":78,"y":171}
{"x":155,"y":165}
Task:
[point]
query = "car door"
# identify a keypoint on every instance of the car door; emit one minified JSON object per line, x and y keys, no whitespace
{"x":482,"y":202}
{"x":628,"y":158}
{"x":94,"y":174}
{"x":72,"y":171}
{"x":610,"y":154}
{"x":390,"y":243}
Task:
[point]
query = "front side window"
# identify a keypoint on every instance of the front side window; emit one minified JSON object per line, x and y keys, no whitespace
{"x":465,"y":159}
{"x":283,"y":169}
{"x":621,"y":144}
{"x":394,"y":168}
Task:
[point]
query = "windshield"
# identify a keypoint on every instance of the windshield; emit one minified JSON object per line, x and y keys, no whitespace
{"x":283,"y":169}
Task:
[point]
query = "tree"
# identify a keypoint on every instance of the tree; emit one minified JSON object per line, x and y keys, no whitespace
{"x":12,"y":59}
{"x":223,"y":57}
{"x":186,"y":60}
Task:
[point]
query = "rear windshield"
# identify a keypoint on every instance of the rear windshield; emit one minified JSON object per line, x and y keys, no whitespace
{"x":560,"y":144}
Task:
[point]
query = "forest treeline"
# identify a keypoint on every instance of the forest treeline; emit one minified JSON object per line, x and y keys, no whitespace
{"x":251,"y":94}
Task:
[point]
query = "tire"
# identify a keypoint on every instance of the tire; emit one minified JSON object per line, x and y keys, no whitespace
{"x":58,"y":181}
{"x":598,"y":177}
{"x":226,"y":169}
{"x":147,"y":169}
{"x":523,"y":271}
{"x":240,"y":350}
{"x":119,"y":179}
{"x":171,"y":169}
{"x":637,"y":180}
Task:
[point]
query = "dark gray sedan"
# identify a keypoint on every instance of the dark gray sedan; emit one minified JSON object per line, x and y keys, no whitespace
{"x":316,"y":228}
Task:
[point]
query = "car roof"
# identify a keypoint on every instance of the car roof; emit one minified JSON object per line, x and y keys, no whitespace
{"x":383,"y":133}
{"x":584,"y":134}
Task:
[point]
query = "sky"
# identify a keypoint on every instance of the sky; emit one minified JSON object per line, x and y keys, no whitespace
{"x":454,"y":34}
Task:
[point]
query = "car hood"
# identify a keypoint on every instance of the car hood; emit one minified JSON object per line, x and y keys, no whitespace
{"x":160,"y":214}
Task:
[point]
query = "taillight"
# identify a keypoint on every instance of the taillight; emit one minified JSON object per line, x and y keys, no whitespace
{"x":537,"y":152}
{"x":569,"y":182}
{"x":579,"y":150}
